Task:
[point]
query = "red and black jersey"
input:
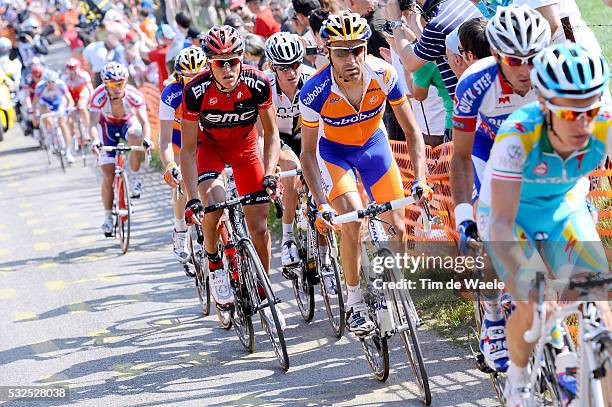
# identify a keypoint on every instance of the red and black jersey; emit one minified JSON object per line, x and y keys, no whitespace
{"x":226,"y":117}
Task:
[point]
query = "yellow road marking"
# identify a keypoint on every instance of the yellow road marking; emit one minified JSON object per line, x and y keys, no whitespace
{"x":57,"y":379}
{"x":4,"y":252}
{"x":24,"y":316}
{"x":44,"y":347}
{"x":40,"y":231}
{"x":2,"y":226}
{"x":71,"y":215}
{"x":86,"y":239}
{"x":25,"y":205}
{"x":12,"y":184}
{"x":33,"y":221}
{"x":103,"y":336}
{"x":47,"y":265}
{"x":108,"y":277}
{"x":7,"y":293}
{"x":5,"y":271}
{"x":4,"y":236}
{"x":82,"y":225}
{"x":25,"y":214}
{"x":79,"y":307}
{"x":42,"y":246}
{"x":23,"y":189}
{"x":55,"y":285}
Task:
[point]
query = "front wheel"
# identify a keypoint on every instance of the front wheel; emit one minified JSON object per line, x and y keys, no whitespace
{"x":201,"y":272}
{"x":123,"y":212}
{"x":334,"y":301}
{"x":303,"y":288}
{"x":274,"y":327}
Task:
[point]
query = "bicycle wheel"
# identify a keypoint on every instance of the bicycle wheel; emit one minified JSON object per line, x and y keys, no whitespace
{"x":201,"y":272}
{"x":405,"y":316}
{"x":275,"y":333}
{"x":334,"y":302}
{"x":374,"y":345}
{"x":84,"y":146}
{"x":303,"y":288}
{"x":123,"y":212}
{"x":58,"y":147}
{"x":241,"y":316}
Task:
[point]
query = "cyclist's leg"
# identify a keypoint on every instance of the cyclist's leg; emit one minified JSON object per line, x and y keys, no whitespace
{"x":62,"y":120}
{"x":248,"y":173}
{"x":288,"y":161}
{"x":106,"y":161}
{"x":382,"y":179}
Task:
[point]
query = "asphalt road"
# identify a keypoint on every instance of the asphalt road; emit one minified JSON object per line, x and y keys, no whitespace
{"x":126,"y":331}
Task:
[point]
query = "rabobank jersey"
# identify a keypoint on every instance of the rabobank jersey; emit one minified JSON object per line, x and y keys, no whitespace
{"x":522,"y":152}
{"x":170,"y":108}
{"x":323,"y":105}
{"x":287,"y":110}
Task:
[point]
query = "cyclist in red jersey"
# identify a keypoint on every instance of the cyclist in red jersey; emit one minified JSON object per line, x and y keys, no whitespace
{"x":81,"y":89}
{"x":224,"y":101}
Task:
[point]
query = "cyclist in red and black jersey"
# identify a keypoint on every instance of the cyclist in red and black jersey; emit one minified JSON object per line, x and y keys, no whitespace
{"x":224,"y":102}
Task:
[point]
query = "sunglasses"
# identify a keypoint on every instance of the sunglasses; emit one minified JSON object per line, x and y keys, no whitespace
{"x":573,"y":114}
{"x":516,"y":61}
{"x":220,"y":62}
{"x":285,"y":67}
{"x":344,"y":52}
{"x":114,"y":84}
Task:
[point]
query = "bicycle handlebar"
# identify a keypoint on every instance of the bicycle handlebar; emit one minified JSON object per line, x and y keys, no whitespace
{"x":373,"y":210}
{"x":123,"y":148}
{"x":290,"y":173}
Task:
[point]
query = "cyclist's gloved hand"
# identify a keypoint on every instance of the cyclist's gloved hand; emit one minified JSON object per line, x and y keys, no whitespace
{"x":148,"y":144}
{"x":325,"y":218}
{"x":272,"y":186}
{"x":172,"y":175}
{"x":420,"y":190}
{"x":96,"y":145}
{"x":192,"y":211}
{"x":467,"y":230}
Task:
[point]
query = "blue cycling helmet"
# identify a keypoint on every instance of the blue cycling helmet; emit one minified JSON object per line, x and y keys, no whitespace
{"x":569,"y":70}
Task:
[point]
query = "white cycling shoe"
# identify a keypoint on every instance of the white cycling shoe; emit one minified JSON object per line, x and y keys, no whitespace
{"x":107,"y":227}
{"x":493,"y":344}
{"x":289,"y":255}
{"x":518,"y":396}
{"x":179,"y":240}
{"x":358,"y":321}
{"x":220,"y":287}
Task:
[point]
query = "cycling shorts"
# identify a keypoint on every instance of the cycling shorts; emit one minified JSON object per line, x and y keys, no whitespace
{"x":111,"y":134}
{"x":80,"y":96}
{"x":373,"y":160}
{"x":243,"y":156}
{"x":572,"y":245}
{"x":291,"y":142}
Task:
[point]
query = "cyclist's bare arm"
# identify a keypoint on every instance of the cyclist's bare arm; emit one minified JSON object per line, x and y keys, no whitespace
{"x":68,"y":99}
{"x":414,"y":138}
{"x":94,"y":118}
{"x":505,"y":198}
{"x":166,"y":153}
{"x":189,"y":137}
{"x":462,"y":171}
{"x":271,"y":138}
{"x":141,"y":115}
{"x":310,"y":166}
{"x":551,"y":14}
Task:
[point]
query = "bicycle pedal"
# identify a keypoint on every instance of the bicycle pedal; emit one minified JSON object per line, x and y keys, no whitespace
{"x":188,"y":271}
{"x":289,"y":274}
{"x":108,"y":234}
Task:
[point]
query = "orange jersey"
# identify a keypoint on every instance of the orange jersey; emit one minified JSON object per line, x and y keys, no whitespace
{"x":323,"y":106}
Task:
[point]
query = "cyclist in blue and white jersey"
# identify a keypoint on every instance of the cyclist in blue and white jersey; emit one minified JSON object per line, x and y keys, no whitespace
{"x":487,"y":94}
{"x":51,"y":95}
{"x":529,"y":192}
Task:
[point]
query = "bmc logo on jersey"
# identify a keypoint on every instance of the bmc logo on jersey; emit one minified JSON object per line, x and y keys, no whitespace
{"x":233,"y":118}
{"x":503,"y":99}
{"x":541,"y":169}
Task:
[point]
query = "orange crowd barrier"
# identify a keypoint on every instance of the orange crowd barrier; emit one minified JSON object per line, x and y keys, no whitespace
{"x":438,"y":176}
{"x":152,"y":94}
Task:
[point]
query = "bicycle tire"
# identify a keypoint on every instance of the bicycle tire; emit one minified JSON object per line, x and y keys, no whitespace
{"x":276,"y":335}
{"x":337,"y":322}
{"x":374,"y":345}
{"x":241,"y":315}
{"x":57,"y":141}
{"x":123,"y":213}
{"x":303,"y":290}
{"x":402,"y":305}
{"x":201,"y":276}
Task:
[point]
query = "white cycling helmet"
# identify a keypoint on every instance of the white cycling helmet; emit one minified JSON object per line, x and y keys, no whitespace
{"x":30,"y":24}
{"x":518,"y":30}
{"x":50,"y":76}
{"x":284,"y":48}
{"x":569,"y":70}
{"x":114,"y":72}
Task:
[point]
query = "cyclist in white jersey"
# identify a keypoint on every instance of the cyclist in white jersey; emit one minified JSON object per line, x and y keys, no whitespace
{"x":492,"y":89}
{"x":287,"y":76}
{"x":117,"y":111}
{"x":51,"y":95}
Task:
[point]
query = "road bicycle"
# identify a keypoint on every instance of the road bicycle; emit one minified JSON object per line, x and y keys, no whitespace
{"x":312,"y":267}
{"x":594,"y":340}
{"x":199,"y":262}
{"x":249,"y":282}
{"x":52,"y":140}
{"x":391,"y":309}
{"x":82,"y":144}
{"x":122,"y":208}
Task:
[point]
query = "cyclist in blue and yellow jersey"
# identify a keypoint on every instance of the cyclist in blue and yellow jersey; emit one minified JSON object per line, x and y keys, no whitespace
{"x":342,"y":107}
{"x":189,"y":62}
{"x":529,"y":190}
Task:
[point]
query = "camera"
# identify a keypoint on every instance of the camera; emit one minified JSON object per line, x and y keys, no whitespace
{"x":313,"y":50}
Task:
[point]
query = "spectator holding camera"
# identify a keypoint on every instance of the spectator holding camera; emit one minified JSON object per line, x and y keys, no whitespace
{"x":441,"y":17}
{"x":375,"y":16}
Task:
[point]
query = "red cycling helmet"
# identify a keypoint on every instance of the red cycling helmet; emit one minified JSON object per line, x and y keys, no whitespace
{"x":73,"y":64}
{"x":222,"y":40}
